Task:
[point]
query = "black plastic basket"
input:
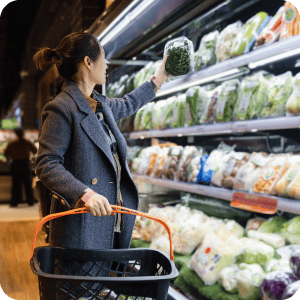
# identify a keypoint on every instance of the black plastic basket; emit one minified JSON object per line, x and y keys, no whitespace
{"x":65,"y":274}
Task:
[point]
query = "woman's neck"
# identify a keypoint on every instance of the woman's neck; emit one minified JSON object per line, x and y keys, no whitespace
{"x":85,"y":87}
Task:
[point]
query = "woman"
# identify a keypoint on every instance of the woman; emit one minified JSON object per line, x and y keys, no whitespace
{"x":82,"y":156}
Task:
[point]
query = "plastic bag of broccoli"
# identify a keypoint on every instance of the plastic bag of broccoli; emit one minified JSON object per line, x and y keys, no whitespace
{"x":252,"y":97}
{"x":180,"y":53}
{"x":227,"y":100}
{"x":137,"y":119}
{"x":278,"y":93}
{"x":206,"y":56}
{"x":146,"y":119}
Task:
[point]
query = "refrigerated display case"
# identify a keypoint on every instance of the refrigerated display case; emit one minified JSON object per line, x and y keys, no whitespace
{"x":137,"y":54}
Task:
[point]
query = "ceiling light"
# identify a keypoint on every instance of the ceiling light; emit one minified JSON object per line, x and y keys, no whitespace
{"x":127,"y":19}
{"x":274,"y":58}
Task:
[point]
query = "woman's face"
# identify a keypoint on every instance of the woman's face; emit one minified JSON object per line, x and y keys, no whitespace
{"x":99,"y":68}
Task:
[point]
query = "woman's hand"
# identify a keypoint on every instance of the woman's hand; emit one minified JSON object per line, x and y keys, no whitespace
{"x":161,"y":73}
{"x":98,"y":206}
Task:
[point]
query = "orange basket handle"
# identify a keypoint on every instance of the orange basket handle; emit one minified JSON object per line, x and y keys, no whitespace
{"x":115,"y":208}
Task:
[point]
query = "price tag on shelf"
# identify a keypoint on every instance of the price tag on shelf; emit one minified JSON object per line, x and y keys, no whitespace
{"x":255,"y":203}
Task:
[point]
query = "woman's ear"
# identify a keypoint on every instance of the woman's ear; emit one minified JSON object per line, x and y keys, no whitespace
{"x":87,"y":62}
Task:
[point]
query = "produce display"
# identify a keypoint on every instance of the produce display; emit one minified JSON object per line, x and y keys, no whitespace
{"x":222,"y":256}
{"x":293,"y":103}
{"x":291,"y":19}
{"x":180,"y":53}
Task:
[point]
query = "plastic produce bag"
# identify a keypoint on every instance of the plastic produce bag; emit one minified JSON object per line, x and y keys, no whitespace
{"x":187,"y":154}
{"x":171,"y":162}
{"x":180,"y":53}
{"x":209,"y":115}
{"x":138,"y":118}
{"x":226,"y":39}
{"x":179,"y":107}
{"x":217,"y":175}
{"x":157,"y":113}
{"x":233,"y":165}
{"x":192,"y":97}
{"x":249,"y":279}
{"x":291,"y":290}
{"x":250,"y":172}
{"x":160,"y":160}
{"x":211,"y":257}
{"x":284,"y":183}
{"x":194,"y":168}
{"x":282,"y":264}
{"x":278,"y":93}
{"x":226,"y":101}
{"x":272,"y":31}
{"x":167,"y":115}
{"x":146,"y":156}
{"x":272,"y":225}
{"x":293,"y":104}
{"x":245,"y":39}
{"x":290,"y":21}
{"x":146,"y":119}
{"x":253,"y":94}
{"x":227,"y":279}
{"x":206,"y":56}
{"x":293,"y":189}
{"x":271,"y":173}
{"x":202,"y":105}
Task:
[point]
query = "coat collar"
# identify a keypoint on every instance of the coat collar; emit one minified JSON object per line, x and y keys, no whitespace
{"x":73,"y":90}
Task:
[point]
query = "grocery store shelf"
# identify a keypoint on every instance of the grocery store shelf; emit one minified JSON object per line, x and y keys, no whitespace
{"x":230,"y":64}
{"x":284,"y":204}
{"x":223,"y":128}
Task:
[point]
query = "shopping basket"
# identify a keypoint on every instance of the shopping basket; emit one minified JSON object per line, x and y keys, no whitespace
{"x":128,"y":273}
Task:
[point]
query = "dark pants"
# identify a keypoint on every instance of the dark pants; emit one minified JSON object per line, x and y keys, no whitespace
{"x":21,"y":173}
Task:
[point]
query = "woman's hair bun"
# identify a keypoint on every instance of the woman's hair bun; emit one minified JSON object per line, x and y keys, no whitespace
{"x":44,"y":58}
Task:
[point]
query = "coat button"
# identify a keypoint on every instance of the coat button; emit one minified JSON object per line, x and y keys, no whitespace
{"x":94,"y":181}
{"x":62,"y":202}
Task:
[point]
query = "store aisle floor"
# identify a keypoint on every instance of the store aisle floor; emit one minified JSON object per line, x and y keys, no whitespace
{"x":16,"y":277}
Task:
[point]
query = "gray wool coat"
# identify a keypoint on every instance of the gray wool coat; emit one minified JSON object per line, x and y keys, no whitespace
{"x":73,"y":155}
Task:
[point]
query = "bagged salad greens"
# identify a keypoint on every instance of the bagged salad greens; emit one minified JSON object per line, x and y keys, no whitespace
{"x":138,"y":118}
{"x":209,"y":115}
{"x":206,"y":56}
{"x":245,"y":39}
{"x":167,"y":115}
{"x":158,"y":110}
{"x":202,"y":103}
{"x":146,"y":119}
{"x":278,"y":93}
{"x":226,"y":39}
{"x":179,"y":107}
{"x":227,"y":100}
{"x":192,"y":99}
{"x":180,"y":53}
{"x":293,"y":104}
{"x":252,"y":96}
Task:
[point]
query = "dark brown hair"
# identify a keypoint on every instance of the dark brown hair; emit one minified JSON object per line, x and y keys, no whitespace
{"x":70,"y":52}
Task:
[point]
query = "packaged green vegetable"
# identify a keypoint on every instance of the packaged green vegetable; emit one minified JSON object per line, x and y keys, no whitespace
{"x":252,"y":97}
{"x":226,"y":39}
{"x":249,"y":279}
{"x":293,"y":103}
{"x":228,"y":280}
{"x":278,"y":93}
{"x":227,"y":100}
{"x":167,"y":116}
{"x":137,"y":119}
{"x":158,"y":111}
{"x":209,"y":115}
{"x":246,"y":38}
{"x":192,"y":97}
{"x":179,"y":111}
{"x":206,"y":56}
{"x":180,"y":53}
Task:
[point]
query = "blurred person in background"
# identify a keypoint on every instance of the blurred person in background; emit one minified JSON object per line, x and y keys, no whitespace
{"x":82,"y":156}
{"x":18,"y":151}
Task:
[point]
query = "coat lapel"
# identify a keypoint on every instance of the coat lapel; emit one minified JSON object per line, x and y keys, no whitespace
{"x":90,"y":123}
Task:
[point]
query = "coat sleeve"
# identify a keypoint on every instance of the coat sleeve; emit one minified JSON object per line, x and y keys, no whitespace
{"x":130,"y":103}
{"x":54,"y":140}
